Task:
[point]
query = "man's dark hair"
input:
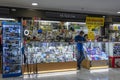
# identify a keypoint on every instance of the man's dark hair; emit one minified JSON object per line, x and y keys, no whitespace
{"x":81,"y":32}
{"x":85,"y":35}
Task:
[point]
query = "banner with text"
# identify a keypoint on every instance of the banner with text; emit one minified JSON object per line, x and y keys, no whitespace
{"x":93,"y":22}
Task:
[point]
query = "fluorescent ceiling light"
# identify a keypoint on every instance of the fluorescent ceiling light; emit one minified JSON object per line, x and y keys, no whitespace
{"x":7,"y":19}
{"x":34,"y":4}
{"x":104,"y":16}
{"x":67,"y":23}
{"x":77,"y":22}
{"x":118,"y":12}
{"x":45,"y":21}
{"x":116,"y":24}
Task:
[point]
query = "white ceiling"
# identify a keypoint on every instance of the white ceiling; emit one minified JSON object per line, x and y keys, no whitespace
{"x":87,"y":6}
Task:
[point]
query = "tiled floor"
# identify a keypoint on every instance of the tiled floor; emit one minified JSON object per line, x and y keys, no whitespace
{"x":111,"y":74}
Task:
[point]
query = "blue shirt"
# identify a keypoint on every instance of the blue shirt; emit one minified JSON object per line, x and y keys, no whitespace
{"x":79,"y":39}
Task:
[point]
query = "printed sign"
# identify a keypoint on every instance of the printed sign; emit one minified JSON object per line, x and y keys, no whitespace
{"x":91,"y":35}
{"x":93,"y":22}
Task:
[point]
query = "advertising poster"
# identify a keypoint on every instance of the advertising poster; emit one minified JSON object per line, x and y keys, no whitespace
{"x":12,"y":55}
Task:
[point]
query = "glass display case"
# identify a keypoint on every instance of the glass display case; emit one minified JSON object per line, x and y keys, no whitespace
{"x":114,"y":56}
{"x":46,"y":56}
{"x":96,"y":54}
{"x":49,"y":52}
{"x":116,"y":49}
{"x":96,"y":51}
{"x":50,"y":55}
{"x":12,"y":55}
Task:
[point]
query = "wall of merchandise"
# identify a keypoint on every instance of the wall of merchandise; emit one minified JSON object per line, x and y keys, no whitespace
{"x":53,"y":31}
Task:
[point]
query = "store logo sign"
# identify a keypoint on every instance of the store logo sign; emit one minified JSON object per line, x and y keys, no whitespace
{"x":64,"y":15}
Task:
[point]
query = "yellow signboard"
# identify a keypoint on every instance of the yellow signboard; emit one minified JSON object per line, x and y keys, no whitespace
{"x":94,"y":21}
{"x":90,"y":27}
{"x":91,"y":35}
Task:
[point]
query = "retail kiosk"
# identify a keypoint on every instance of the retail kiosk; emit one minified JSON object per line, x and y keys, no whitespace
{"x":55,"y":33}
{"x":56,"y":54}
{"x":49,"y":47}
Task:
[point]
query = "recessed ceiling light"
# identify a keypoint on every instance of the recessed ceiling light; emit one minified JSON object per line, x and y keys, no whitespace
{"x":34,"y":4}
{"x":118,"y":12}
{"x":7,"y":19}
{"x":104,"y":16}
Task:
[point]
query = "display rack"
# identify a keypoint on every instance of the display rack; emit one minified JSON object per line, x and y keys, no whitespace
{"x":12,"y":55}
{"x":114,"y":32}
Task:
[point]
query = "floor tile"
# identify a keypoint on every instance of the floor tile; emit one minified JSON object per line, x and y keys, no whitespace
{"x":84,"y":74}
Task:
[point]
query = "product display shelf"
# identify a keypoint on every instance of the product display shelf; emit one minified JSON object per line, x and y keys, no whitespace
{"x":49,"y":57}
{"x":96,"y":55}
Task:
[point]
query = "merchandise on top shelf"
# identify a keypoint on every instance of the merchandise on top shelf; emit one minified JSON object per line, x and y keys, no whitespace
{"x":54,"y":31}
{"x":114,"y":32}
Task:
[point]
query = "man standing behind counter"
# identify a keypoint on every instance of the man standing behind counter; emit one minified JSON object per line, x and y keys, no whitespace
{"x":80,"y":54}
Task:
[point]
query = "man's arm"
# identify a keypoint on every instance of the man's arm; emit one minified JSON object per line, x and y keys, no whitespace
{"x":76,"y":39}
{"x":84,"y":39}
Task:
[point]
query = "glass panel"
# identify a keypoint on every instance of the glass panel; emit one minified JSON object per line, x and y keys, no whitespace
{"x":37,"y":52}
{"x":96,"y":50}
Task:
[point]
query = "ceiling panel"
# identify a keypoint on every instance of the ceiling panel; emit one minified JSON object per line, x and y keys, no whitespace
{"x":87,"y":6}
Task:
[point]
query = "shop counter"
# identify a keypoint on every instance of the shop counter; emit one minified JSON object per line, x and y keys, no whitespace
{"x":60,"y":56}
{"x":49,"y":57}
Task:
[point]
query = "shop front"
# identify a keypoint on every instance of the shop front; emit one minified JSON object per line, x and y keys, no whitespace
{"x":47,"y":43}
{"x":50,"y":46}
